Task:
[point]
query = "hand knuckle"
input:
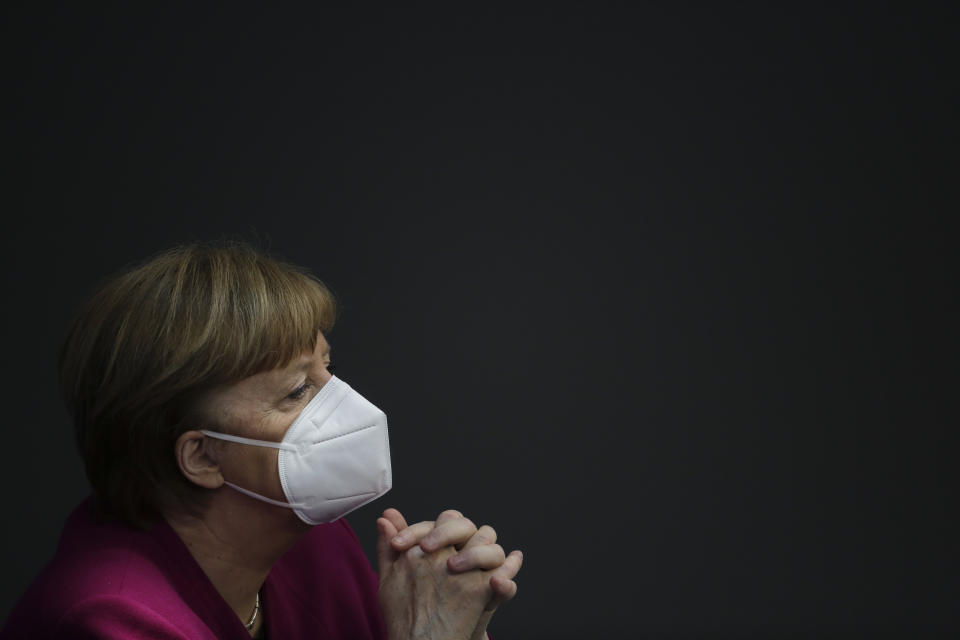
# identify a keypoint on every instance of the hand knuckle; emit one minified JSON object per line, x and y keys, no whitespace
{"x":486,"y":534}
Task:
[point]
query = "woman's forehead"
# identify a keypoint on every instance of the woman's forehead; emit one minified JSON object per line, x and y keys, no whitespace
{"x":304,"y":361}
{"x":323,"y":347}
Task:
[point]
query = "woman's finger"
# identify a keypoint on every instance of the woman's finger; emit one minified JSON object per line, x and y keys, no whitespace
{"x":501,"y":580}
{"x":396,"y":519}
{"x":411,"y":535}
{"x":385,"y":554}
{"x":511,"y":566}
{"x":484,"y":535}
{"x":503,"y":590}
{"x":449,"y":514}
{"x":455,"y":532}
{"x":488,"y":556}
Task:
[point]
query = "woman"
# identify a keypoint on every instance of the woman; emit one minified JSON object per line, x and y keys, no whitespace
{"x":222,"y":453}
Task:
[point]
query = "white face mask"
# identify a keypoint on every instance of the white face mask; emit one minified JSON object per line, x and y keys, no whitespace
{"x":334,"y":458}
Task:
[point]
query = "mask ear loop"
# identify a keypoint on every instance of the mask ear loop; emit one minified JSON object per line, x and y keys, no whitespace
{"x":286,"y":446}
{"x":259,"y":443}
{"x":263,"y":498}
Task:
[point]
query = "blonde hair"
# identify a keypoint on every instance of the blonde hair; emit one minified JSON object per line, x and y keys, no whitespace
{"x":144,"y":350}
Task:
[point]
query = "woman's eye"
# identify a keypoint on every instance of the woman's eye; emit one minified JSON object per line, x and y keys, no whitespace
{"x":297,"y":393}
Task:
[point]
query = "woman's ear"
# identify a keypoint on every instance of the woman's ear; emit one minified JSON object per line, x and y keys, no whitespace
{"x":197,"y":460}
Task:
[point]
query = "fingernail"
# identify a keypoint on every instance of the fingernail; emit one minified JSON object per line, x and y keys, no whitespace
{"x":399,"y":539}
{"x":456,"y":562}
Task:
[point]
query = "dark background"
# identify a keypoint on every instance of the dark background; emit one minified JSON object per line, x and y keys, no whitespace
{"x":659,"y":290}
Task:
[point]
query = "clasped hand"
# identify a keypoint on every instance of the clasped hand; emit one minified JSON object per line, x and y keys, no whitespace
{"x":443,"y":579}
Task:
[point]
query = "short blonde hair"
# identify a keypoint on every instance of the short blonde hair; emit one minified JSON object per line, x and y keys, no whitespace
{"x":146,"y":348}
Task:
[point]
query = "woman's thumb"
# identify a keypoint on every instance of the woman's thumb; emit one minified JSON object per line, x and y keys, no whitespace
{"x":385,"y":552}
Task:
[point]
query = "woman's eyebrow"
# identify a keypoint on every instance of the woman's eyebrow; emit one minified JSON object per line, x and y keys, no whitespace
{"x":290,"y":377}
{"x":295,"y":370}
{"x":307,"y":362}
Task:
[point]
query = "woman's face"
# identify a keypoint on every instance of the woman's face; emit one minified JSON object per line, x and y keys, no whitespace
{"x":263,"y":407}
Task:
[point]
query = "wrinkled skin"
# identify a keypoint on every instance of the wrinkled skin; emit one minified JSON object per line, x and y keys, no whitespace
{"x":441,"y":580}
